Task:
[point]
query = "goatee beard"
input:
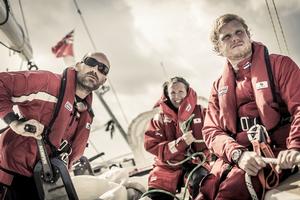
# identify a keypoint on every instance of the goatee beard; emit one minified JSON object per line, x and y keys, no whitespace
{"x":86,"y":87}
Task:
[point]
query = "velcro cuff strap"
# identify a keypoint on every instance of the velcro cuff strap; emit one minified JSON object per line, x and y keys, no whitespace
{"x":6,"y":178}
{"x":10,"y":117}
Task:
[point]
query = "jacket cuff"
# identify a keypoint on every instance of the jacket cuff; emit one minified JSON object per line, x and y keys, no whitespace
{"x":229,"y":155}
{"x":10,"y":117}
{"x":181,"y":144}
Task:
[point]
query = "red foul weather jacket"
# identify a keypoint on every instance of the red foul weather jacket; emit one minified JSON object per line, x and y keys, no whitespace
{"x":35,"y":94}
{"x":163,"y":139}
{"x":220,"y":130}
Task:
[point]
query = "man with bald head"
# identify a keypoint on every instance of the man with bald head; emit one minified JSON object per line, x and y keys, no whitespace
{"x":35,"y":94}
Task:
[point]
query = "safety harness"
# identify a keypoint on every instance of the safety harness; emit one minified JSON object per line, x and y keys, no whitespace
{"x":198,"y":158}
{"x":260,"y":140}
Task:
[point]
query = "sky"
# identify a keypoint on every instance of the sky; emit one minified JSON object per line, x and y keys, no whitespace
{"x":147,"y":42}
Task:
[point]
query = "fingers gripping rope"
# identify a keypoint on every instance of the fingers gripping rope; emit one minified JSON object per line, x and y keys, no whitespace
{"x":185,"y":125}
{"x":260,"y":140}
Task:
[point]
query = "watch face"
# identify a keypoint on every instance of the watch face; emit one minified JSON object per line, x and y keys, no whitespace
{"x":236,"y":155}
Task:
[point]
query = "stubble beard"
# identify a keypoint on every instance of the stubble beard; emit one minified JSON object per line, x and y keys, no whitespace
{"x":244,"y":53}
{"x":84,"y":84}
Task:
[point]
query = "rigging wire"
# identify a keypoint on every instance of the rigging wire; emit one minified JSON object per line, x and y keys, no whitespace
{"x":274,"y":29}
{"x":23,"y":18}
{"x":94,"y":46}
{"x":164,"y":69}
{"x":279,"y":22}
{"x":85,"y":26}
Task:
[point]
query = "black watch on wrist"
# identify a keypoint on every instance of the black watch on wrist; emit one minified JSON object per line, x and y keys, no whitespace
{"x":236,"y":155}
{"x":10,"y":117}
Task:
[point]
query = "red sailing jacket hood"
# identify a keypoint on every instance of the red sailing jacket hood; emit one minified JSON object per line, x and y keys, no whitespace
{"x":262,"y":92}
{"x":185,"y":109}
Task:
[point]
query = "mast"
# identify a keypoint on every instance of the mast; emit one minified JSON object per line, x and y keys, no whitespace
{"x":98,"y":93}
{"x":123,"y":133}
{"x":13,"y":33}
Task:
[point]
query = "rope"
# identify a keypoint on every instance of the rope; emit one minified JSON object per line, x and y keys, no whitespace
{"x":173,"y":164}
{"x":188,"y":179}
{"x":159,"y":191}
{"x":279,"y":22}
{"x":191,"y":173}
{"x":250,"y":187}
{"x":274,"y":29}
{"x":94,"y":46}
{"x":259,"y":138}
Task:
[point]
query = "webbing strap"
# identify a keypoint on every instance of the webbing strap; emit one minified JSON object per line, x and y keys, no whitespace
{"x":47,"y":130}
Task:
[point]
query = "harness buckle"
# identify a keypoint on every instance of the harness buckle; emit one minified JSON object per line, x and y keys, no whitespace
{"x":64,"y":151}
{"x":244,"y":123}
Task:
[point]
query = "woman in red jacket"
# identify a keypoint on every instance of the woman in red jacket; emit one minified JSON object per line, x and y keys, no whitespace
{"x":170,"y":143}
{"x":35,"y":93}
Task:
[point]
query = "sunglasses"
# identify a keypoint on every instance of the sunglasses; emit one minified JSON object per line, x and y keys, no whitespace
{"x":92,"y":62}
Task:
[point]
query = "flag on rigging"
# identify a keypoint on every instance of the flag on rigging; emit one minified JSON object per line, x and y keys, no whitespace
{"x":64,"y":47}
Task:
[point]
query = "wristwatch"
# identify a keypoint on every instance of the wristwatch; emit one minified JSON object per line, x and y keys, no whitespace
{"x":236,"y":155}
{"x":10,"y":117}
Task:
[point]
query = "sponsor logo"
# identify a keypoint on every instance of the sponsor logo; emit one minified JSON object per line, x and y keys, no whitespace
{"x":88,"y":126}
{"x":261,"y":85}
{"x":247,"y":65}
{"x":197,"y":120}
{"x":223,"y":90}
{"x":153,"y":178}
{"x":188,"y":107}
{"x":69,"y":106}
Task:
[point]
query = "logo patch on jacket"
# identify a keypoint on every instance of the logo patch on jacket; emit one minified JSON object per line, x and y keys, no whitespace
{"x":188,"y":107}
{"x":197,"y":120}
{"x":261,"y":85}
{"x":88,"y":126}
{"x":69,"y":106}
{"x":247,"y":65}
{"x":153,"y":178}
{"x":223,"y":90}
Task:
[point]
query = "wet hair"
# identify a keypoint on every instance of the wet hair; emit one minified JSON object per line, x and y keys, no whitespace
{"x":219,"y":23}
{"x":173,"y":80}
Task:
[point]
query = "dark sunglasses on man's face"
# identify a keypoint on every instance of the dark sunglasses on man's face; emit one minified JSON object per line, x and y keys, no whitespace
{"x":92,"y":62}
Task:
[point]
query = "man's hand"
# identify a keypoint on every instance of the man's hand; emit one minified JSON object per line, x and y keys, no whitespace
{"x":287,"y":159}
{"x":251,"y":163}
{"x":19,"y":128}
{"x":188,"y":137}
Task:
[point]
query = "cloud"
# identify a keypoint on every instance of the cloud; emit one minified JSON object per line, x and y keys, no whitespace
{"x":147,"y":41}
